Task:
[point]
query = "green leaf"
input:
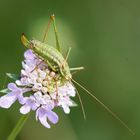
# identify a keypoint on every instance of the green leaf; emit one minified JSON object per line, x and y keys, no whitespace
{"x":5,"y":90}
{"x":13,"y":76}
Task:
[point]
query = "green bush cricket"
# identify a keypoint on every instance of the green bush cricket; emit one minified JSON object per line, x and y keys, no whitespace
{"x":55,"y":60}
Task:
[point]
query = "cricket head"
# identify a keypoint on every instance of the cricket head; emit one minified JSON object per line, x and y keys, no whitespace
{"x":65,"y":71}
{"x":68,"y":77}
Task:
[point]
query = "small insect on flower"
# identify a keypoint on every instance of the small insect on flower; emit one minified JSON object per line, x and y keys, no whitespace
{"x":47,"y":76}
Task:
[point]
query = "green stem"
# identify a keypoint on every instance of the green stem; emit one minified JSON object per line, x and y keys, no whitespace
{"x":18,"y":127}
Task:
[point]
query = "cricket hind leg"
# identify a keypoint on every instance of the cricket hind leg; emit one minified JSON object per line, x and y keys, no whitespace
{"x":52,"y":17}
{"x":47,"y":29}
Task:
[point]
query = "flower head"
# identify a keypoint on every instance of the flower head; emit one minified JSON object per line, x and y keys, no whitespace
{"x":47,"y":91}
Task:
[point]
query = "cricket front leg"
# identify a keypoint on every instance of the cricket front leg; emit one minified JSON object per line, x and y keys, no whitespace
{"x":77,"y":69}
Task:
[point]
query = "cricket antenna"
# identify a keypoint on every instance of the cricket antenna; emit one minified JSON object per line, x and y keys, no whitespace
{"x":102,"y":104}
{"x":81,"y":103}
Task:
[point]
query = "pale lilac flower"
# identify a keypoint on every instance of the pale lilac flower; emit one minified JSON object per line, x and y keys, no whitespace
{"x":44,"y":113}
{"x":46,"y":92}
{"x":16,"y":93}
{"x":30,"y":104}
{"x":64,"y":93}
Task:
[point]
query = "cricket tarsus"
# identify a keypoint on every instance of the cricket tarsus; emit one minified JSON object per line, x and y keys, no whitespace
{"x":112,"y":113}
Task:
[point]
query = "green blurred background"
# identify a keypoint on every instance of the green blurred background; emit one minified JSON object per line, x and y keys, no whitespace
{"x":105,"y":38}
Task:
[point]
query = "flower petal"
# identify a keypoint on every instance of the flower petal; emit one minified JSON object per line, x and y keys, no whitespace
{"x":43,"y":121}
{"x":31,"y":101}
{"x":41,"y":115}
{"x":12,"y":86}
{"x":18,"y":82}
{"x":25,"y":109}
{"x":52,"y":116}
{"x":29,"y":54}
{"x":7,"y":100}
{"x":21,"y":99}
{"x":66,"y":109}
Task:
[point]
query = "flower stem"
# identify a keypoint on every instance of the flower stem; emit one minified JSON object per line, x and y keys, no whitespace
{"x":18,"y":127}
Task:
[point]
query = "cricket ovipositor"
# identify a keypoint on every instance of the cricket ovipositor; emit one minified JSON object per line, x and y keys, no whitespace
{"x":56,"y":61}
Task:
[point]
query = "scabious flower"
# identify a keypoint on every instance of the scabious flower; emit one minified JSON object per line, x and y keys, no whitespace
{"x":38,"y":90}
